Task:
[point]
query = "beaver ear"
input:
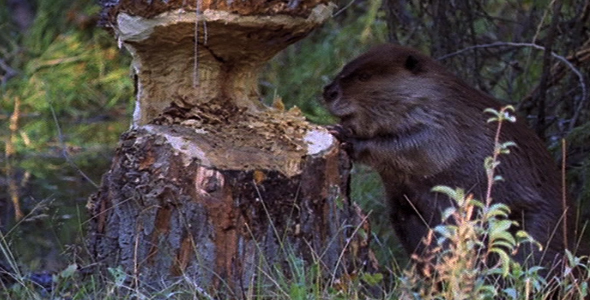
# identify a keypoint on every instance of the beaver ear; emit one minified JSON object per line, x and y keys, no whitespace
{"x":412,"y":64}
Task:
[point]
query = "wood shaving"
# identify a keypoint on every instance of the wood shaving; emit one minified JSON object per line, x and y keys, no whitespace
{"x":272,"y":130}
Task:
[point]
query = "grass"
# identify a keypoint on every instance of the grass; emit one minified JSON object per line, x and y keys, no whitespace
{"x":456,"y":265}
{"x":453,"y":272}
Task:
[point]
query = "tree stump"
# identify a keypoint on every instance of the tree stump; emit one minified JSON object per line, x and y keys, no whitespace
{"x":209,"y":184}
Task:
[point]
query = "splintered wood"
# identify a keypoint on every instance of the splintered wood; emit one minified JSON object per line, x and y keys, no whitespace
{"x":271,"y":133}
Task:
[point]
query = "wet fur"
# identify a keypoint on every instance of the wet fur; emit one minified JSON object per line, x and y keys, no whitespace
{"x":420,"y":126}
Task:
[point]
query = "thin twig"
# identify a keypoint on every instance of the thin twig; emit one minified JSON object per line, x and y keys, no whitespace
{"x":540,"y":25}
{"x":496,"y":153}
{"x":544,"y":81}
{"x":64,"y":150}
{"x":10,"y":151}
{"x":196,"y":45}
{"x":343,"y":9}
{"x":348,"y":242}
{"x":10,"y":72}
{"x":564,"y":193}
{"x":527,"y":45}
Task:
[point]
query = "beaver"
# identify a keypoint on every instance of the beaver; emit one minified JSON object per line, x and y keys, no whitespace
{"x":419,"y":126}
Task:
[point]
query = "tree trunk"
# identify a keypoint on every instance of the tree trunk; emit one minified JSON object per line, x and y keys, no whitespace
{"x":209,"y":185}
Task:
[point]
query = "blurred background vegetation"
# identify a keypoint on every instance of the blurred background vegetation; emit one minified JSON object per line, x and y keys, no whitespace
{"x":66,"y":96}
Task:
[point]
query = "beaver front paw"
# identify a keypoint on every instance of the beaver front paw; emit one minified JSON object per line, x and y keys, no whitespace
{"x":344,"y":136}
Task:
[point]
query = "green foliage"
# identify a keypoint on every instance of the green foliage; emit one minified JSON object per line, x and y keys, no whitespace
{"x":469,"y":255}
{"x":471,"y":236}
{"x":79,"y":74}
{"x":299,"y":73}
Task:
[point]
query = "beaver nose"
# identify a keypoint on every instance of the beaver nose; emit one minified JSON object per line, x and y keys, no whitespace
{"x":331,"y":92}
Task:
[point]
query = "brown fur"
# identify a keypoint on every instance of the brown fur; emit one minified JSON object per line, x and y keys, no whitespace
{"x":420,"y":126}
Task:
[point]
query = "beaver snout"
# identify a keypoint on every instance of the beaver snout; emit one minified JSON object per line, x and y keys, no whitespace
{"x":332,"y":92}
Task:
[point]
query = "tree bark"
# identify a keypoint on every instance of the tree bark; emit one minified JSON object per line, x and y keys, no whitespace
{"x":209,"y":185}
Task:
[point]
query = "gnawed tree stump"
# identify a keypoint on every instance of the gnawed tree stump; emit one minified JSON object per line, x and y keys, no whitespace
{"x":209,"y":184}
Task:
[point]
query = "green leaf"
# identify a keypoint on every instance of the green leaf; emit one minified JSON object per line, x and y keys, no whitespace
{"x":511,"y":293}
{"x":504,"y":260}
{"x":446,"y":231}
{"x":500,"y":226}
{"x":508,"y":144}
{"x":494,"y":112}
{"x":500,"y":244}
{"x":448,"y":213}
{"x":372,"y":279}
{"x":509,"y":118}
{"x":508,"y":108}
{"x":488,"y":163}
{"x":69,"y":271}
{"x":119,"y":275}
{"x":491,"y":111}
{"x":497,"y":210}
{"x":445,"y":190}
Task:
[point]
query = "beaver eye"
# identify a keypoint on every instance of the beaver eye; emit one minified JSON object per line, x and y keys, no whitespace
{"x":363,"y":76}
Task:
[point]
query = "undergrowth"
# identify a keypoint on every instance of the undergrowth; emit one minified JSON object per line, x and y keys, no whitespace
{"x":469,"y":256}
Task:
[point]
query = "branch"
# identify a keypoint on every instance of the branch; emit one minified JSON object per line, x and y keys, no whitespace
{"x":545,"y":75}
{"x":10,"y":72}
{"x":564,"y":60}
